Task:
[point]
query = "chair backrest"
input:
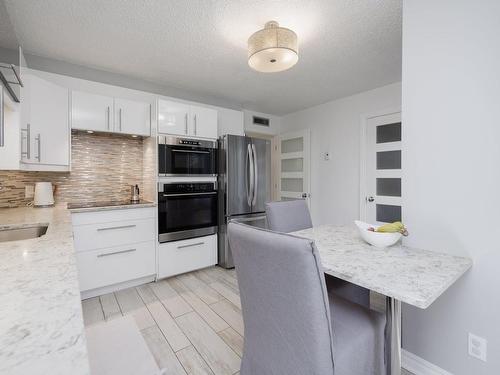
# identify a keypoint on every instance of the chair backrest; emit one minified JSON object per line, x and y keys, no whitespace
{"x":284,"y":301}
{"x":288,"y":216}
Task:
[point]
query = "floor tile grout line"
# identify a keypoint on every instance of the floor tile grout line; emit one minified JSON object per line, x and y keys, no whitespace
{"x":208,"y":305}
{"x":175,"y":321}
{"x":156,"y":323}
{"x":216,"y":332}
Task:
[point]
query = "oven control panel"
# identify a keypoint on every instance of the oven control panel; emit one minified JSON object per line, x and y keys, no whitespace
{"x":187,"y":187}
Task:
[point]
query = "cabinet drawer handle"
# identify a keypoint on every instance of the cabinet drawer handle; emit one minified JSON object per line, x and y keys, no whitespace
{"x":120,"y":118}
{"x":27,"y":138}
{"x":116,"y":252}
{"x":119,"y":227}
{"x":191,"y":245}
{"x":107,"y":117}
{"x":39,"y":156}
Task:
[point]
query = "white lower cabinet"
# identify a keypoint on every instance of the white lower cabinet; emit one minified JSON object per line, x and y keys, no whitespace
{"x":187,"y":255}
{"x":113,"y":248}
{"x":114,"y":265}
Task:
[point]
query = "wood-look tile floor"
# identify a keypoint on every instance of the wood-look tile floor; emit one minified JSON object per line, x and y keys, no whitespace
{"x":192,"y":323}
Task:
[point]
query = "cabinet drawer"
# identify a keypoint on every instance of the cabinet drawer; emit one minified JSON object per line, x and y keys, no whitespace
{"x":103,"y":235}
{"x":103,"y":267}
{"x":183,"y":256}
{"x":94,"y":217}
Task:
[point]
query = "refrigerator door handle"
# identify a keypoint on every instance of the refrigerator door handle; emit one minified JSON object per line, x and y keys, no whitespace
{"x":256,"y":174}
{"x":249,"y":170}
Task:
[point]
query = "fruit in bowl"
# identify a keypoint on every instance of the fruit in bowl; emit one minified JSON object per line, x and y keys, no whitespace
{"x":381,"y":236}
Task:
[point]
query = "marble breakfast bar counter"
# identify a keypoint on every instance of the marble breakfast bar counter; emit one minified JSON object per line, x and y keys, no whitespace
{"x":41,"y":325}
{"x":416,"y":277}
{"x":402,"y":274}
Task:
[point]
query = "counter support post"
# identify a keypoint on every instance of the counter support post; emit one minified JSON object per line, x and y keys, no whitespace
{"x":393,"y":336}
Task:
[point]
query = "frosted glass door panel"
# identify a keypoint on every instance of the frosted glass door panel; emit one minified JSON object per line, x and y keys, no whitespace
{"x":388,"y":213}
{"x":292,"y":184}
{"x":389,"y":187}
{"x":389,"y":159}
{"x":292,"y":145}
{"x":292,"y":165}
{"x":389,"y":133}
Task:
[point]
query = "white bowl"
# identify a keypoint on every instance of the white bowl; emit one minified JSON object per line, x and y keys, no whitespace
{"x":380,"y":240}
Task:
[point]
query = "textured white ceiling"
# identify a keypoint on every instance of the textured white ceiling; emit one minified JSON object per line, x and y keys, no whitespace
{"x":7,"y":35}
{"x":346,"y":46}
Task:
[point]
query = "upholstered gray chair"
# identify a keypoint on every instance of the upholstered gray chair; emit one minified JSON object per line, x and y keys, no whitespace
{"x":292,"y":325}
{"x":288,"y":216}
{"x":293,"y":215}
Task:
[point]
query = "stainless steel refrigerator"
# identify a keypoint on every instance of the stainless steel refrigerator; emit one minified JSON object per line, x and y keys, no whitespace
{"x":244,"y":186}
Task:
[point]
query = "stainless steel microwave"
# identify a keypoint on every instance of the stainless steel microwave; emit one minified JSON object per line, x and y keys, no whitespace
{"x":186,"y":157}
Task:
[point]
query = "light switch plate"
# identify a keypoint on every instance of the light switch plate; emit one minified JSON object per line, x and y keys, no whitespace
{"x":477,"y":347}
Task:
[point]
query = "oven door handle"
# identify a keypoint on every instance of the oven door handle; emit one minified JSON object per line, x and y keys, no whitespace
{"x":188,"y":194}
{"x":191,"y":151}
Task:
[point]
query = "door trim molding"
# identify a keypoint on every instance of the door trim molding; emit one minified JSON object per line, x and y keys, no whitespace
{"x":362,"y":153}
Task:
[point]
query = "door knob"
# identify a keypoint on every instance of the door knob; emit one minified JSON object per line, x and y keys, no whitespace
{"x":370,"y":199}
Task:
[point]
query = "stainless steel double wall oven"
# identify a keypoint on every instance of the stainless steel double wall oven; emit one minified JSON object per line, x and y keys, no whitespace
{"x":187,"y":204}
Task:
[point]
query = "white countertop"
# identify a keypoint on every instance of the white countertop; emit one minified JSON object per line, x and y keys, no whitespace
{"x":107,"y":206}
{"x":41,"y":325}
{"x":416,"y":277}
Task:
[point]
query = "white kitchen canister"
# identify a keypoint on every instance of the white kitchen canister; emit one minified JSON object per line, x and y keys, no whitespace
{"x":44,"y":194}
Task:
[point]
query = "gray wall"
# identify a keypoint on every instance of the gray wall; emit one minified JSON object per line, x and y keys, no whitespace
{"x":451,"y":182}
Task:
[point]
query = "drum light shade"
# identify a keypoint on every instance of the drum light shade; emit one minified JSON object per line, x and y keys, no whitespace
{"x":273,"y":49}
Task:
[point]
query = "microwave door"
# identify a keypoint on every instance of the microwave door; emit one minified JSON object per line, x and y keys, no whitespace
{"x":238,"y":157}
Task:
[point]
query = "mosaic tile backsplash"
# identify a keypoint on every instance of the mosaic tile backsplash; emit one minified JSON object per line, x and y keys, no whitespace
{"x":103,"y":167}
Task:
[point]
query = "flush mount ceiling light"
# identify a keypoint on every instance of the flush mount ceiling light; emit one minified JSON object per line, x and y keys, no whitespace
{"x":273,"y":49}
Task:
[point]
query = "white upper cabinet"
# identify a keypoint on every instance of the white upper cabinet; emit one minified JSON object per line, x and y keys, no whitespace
{"x":107,"y":114}
{"x":173,"y":118}
{"x":183,"y":119}
{"x":91,"y":112}
{"x":203,"y":122}
{"x":132,"y":117}
{"x":45,"y":132}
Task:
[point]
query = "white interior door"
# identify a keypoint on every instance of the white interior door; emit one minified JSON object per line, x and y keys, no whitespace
{"x":382,"y":201}
{"x":294,"y":155}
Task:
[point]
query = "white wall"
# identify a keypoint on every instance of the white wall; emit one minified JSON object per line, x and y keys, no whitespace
{"x":230,"y":121}
{"x":451,"y":183}
{"x":274,"y":124}
{"x":335,"y":127}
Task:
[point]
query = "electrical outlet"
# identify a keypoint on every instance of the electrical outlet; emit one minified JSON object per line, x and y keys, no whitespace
{"x":29,"y":191}
{"x":326,"y":156}
{"x":477,"y":347}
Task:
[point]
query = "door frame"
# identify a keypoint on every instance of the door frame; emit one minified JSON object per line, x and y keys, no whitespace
{"x":362,"y":153}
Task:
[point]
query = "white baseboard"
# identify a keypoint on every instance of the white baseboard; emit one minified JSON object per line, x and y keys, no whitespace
{"x":420,"y":366}
{"x":115,"y":287}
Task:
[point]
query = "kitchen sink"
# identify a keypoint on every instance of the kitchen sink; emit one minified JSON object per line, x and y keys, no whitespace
{"x":23,"y":233}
